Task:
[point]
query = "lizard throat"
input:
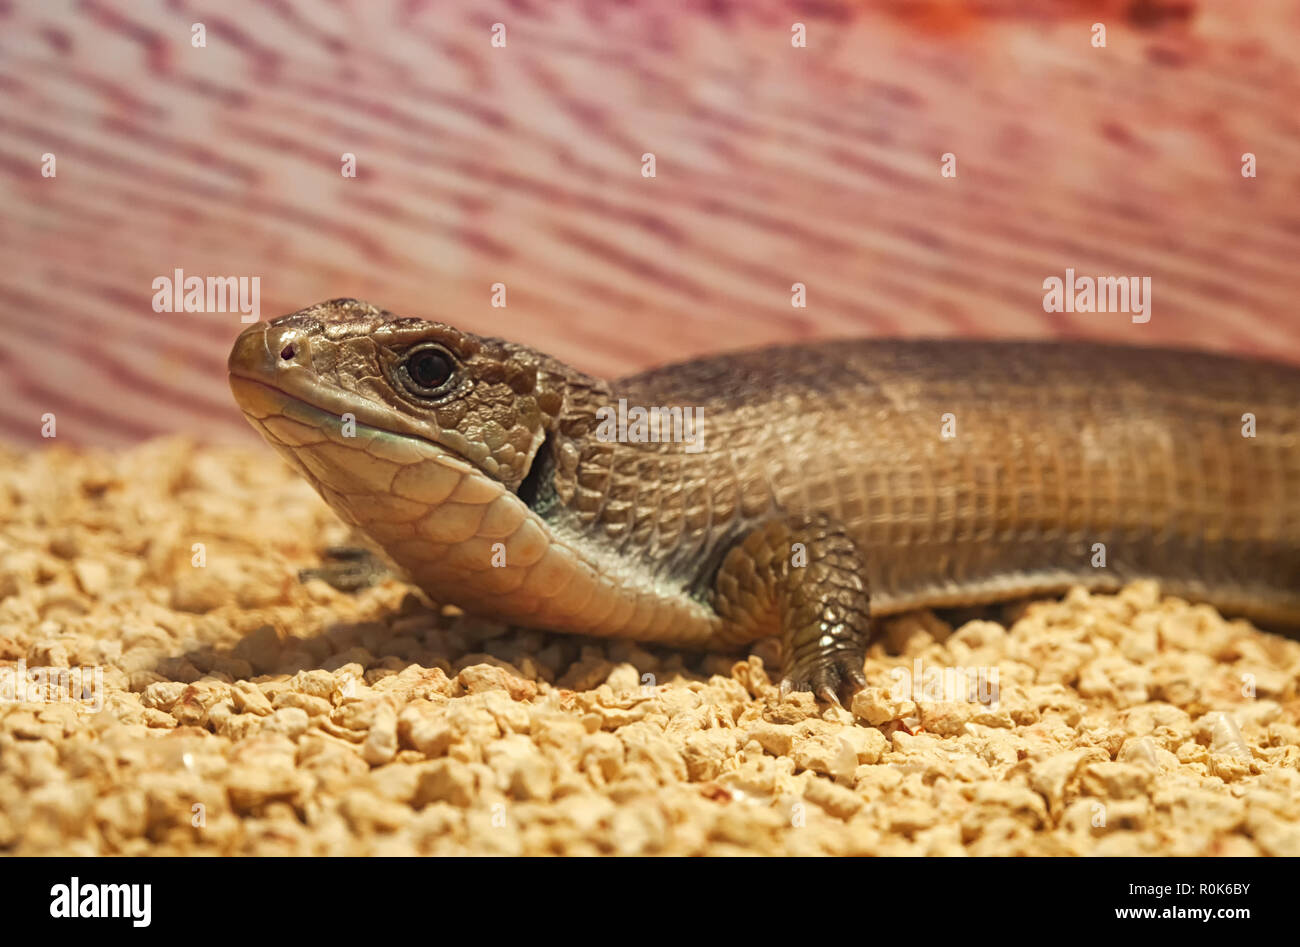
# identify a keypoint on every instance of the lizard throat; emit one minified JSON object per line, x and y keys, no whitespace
{"x":455,"y":531}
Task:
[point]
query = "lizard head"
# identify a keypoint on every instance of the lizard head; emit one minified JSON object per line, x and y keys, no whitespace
{"x":418,"y":433}
{"x":488,"y":402}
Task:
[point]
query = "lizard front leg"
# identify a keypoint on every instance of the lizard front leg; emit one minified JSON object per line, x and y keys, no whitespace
{"x":802,"y":578}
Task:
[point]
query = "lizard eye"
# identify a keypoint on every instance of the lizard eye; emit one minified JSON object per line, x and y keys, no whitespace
{"x":427,"y":370}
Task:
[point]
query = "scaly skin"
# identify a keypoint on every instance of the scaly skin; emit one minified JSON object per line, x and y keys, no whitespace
{"x":824,"y":488}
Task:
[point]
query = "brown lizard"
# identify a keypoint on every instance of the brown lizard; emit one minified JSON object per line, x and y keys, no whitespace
{"x":822,"y":482}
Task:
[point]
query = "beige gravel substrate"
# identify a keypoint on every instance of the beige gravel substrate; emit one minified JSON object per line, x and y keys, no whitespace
{"x":245,"y":713}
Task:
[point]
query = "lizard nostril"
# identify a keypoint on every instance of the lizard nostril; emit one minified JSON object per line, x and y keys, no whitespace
{"x":287,"y":352}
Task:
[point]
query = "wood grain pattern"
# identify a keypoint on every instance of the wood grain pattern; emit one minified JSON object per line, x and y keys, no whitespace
{"x":522,"y":165}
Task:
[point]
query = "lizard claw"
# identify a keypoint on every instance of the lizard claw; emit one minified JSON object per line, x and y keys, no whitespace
{"x":828,"y":695}
{"x":826,"y":675}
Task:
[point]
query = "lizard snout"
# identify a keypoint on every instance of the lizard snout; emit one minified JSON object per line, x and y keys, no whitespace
{"x":266,"y":351}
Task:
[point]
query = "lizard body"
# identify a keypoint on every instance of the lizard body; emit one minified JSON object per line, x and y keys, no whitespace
{"x":827,"y":481}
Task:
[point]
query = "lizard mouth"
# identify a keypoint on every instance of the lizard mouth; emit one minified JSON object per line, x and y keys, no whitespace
{"x":295,"y":425}
{"x":259,"y":399}
{"x":276,"y":385}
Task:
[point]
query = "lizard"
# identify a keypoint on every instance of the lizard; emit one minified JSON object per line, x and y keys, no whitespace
{"x":825,"y":483}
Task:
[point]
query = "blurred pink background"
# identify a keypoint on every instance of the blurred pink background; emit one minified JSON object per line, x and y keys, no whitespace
{"x":522,"y":165}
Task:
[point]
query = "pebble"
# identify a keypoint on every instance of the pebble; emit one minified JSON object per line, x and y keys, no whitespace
{"x":1128,"y":724}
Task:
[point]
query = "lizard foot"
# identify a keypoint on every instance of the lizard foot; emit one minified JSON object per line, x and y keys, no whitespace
{"x":805,"y":579}
{"x":826,"y":674}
